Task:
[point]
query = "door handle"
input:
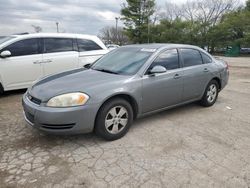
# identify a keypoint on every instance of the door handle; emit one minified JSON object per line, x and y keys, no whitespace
{"x":37,"y":62}
{"x":47,"y":61}
{"x":177,"y":76}
{"x":205,"y":70}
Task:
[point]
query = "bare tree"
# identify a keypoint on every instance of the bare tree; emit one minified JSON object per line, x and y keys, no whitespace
{"x":109,"y":35}
{"x":208,"y":12}
{"x":171,"y":11}
{"x":37,"y":28}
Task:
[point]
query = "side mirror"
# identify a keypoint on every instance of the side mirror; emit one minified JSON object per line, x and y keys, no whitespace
{"x":157,"y":69}
{"x":5,"y":54}
{"x":87,"y":66}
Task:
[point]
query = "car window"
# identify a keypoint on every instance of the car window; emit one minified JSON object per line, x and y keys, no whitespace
{"x":23,"y":47}
{"x":168,"y":59}
{"x":206,"y":58}
{"x":126,"y":61}
{"x":191,"y":57}
{"x":58,"y":45}
{"x":87,"y":45}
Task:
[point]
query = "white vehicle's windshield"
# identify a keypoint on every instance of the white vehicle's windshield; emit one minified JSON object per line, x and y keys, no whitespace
{"x":123,"y":60}
{"x":4,"y":39}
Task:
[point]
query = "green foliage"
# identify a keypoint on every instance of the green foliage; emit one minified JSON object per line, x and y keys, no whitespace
{"x":248,"y":5}
{"x":230,"y":29}
{"x":234,"y":29}
{"x":136,"y":15}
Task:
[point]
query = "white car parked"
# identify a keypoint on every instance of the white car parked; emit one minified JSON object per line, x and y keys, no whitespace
{"x":26,"y":58}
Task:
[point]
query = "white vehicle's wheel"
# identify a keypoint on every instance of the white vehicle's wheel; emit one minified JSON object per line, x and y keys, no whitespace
{"x":1,"y":89}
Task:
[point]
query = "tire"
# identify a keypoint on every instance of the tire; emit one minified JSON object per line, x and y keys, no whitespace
{"x":114,"y":119}
{"x":211,"y":93}
{"x":1,"y":89}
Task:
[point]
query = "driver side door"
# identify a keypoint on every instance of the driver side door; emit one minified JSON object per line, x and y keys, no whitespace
{"x":164,"y":89}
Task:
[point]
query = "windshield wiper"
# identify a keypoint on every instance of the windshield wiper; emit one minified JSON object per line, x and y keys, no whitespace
{"x":106,"y":70}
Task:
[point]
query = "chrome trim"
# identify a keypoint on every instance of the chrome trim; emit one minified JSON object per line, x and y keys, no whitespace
{"x":26,"y":119}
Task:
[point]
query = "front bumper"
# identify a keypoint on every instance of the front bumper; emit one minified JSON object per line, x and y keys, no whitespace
{"x":72,"y":120}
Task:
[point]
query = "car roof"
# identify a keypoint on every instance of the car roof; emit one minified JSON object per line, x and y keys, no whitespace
{"x":162,"y":45}
{"x":54,"y":35}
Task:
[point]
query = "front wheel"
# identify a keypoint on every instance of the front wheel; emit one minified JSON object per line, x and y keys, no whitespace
{"x":114,"y":119}
{"x":211,"y":94}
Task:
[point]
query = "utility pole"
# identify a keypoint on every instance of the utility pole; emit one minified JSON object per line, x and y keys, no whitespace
{"x":116,"y":29}
{"x":148,"y":29}
{"x":57,"y":28}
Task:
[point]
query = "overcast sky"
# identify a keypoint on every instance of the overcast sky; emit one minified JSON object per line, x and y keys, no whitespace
{"x":74,"y":16}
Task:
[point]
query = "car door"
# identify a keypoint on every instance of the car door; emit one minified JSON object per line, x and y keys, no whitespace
{"x":165,"y":89}
{"x":89,"y":51}
{"x":22,"y":67}
{"x":59,"y":54}
{"x":195,"y":74}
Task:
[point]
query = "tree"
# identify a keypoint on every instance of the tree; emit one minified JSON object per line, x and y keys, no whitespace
{"x":37,"y":28}
{"x":248,"y":5}
{"x":136,"y":16}
{"x":234,"y":29}
{"x":171,"y":11}
{"x":109,"y":35}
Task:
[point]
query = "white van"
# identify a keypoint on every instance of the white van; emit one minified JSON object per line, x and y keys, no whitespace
{"x":28,"y":57}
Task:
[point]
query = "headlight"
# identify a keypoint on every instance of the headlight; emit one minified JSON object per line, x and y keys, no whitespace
{"x":68,"y":100}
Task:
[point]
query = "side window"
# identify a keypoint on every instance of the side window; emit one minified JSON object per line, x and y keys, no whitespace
{"x":87,"y":45}
{"x":191,"y":57}
{"x":168,"y":59}
{"x":206,"y":58}
{"x":58,"y":45}
{"x":23,"y":47}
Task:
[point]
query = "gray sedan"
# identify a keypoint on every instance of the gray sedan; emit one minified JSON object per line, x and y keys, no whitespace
{"x":130,"y":82}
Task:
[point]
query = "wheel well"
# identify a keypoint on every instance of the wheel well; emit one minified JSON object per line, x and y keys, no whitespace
{"x":218,"y":81}
{"x":126,"y":97}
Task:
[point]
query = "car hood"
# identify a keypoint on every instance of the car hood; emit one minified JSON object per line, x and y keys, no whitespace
{"x":79,"y":80}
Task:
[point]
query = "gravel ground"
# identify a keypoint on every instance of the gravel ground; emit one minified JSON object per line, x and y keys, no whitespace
{"x":189,"y":146}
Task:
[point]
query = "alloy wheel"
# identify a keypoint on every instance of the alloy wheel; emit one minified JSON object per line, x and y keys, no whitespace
{"x":116,"y":119}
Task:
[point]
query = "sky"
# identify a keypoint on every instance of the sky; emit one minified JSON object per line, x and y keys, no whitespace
{"x":73,"y":16}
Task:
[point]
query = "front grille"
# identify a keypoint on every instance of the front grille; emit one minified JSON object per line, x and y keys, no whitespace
{"x":30,"y":117}
{"x":62,"y":126}
{"x":33,"y":99}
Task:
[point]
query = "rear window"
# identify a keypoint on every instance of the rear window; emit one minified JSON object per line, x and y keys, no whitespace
{"x":87,"y":45}
{"x":52,"y":45}
{"x":191,"y":57}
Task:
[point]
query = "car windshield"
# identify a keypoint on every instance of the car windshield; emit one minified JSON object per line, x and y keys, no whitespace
{"x":4,"y":39}
{"x":127,"y":60}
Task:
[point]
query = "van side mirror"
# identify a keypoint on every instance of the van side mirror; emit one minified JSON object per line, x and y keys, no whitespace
{"x":157,"y":69}
{"x":87,"y":66}
{"x":5,"y":54}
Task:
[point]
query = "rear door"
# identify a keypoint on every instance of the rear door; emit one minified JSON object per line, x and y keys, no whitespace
{"x":89,"y":51}
{"x":195,"y":74}
{"x":59,"y":54}
{"x":23,"y":67}
{"x":165,"y":89}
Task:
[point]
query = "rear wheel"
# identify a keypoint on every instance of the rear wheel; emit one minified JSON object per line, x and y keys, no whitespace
{"x":114,"y":119}
{"x":211,"y":94}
